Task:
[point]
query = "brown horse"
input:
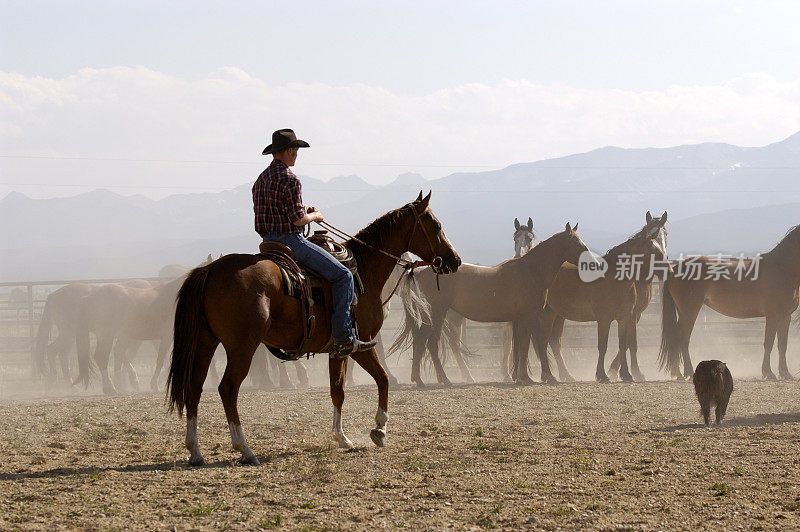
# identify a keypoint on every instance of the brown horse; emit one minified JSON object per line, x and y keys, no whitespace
{"x":772,"y":294}
{"x":604,"y":300}
{"x":59,"y":310}
{"x":238,"y":301}
{"x":644,"y":293}
{"x":513,"y":291}
{"x":128,"y":315}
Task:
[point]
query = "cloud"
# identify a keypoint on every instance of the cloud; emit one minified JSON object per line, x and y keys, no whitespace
{"x":139,"y":113}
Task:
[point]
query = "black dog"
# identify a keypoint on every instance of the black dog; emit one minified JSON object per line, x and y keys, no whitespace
{"x":713,"y":384}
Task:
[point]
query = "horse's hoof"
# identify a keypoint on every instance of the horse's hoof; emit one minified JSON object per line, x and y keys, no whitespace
{"x":419,"y":383}
{"x":524,"y":381}
{"x":639,"y":377}
{"x":567,"y":378}
{"x":626,"y":378}
{"x":550,"y":380}
{"x":786,"y":376}
{"x":110,"y":390}
{"x":393,"y":381}
{"x":469,"y":380}
{"x":603,"y":379}
{"x":197,"y":461}
{"x":343,"y":441}
{"x":249,"y":460}
{"x":378,"y":437}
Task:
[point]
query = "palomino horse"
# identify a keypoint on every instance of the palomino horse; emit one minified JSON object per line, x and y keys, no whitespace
{"x":739,"y":289}
{"x":513,"y":291}
{"x":129,"y":315}
{"x":609,"y":298}
{"x":644,"y":293}
{"x":421,"y":337}
{"x":238,"y":301}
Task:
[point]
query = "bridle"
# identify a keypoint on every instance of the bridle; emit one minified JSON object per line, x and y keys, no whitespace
{"x":436,"y":264}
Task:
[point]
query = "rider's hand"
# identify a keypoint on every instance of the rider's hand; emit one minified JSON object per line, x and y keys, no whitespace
{"x":317,"y":216}
{"x":310,"y":209}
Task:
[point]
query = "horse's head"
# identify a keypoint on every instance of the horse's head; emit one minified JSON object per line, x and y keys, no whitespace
{"x":655,"y":230}
{"x":428,"y":240}
{"x":523,"y":237}
{"x":572,"y":245}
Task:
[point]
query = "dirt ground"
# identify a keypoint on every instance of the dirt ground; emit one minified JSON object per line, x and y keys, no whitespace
{"x":585,"y":455}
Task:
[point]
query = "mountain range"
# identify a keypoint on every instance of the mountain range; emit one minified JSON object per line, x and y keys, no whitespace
{"x":719,"y":197}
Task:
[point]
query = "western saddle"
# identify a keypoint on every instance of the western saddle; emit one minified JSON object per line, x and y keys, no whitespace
{"x":313,"y":292}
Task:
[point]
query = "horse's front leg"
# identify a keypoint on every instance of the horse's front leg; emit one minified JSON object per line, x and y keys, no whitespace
{"x":337,"y":369}
{"x":770,"y":329}
{"x":783,"y":340}
{"x":371,"y":363}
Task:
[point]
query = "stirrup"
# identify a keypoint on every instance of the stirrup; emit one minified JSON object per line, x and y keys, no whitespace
{"x":345,"y":349}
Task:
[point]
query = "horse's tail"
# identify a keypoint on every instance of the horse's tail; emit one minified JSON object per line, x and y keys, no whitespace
{"x":86,"y":369}
{"x":416,"y":310}
{"x":451,"y":338}
{"x":189,"y":318}
{"x":43,"y":336}
{"x":669,"y":354}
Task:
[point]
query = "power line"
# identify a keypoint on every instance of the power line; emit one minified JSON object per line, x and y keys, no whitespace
{"x":441,"y":190}
{"x":534,"y":165}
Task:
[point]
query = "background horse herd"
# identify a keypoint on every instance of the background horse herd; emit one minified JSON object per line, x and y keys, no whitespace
{"x":235,"y":302}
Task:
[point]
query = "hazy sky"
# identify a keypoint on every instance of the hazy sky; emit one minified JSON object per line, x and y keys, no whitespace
{"x":163,"y":97}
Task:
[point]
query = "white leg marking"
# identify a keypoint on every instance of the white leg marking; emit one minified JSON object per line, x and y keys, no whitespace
{"x":239,"y":443}
{"x":192,"y":444}
{"x":378,"y":434}
{"x":338,"y":434}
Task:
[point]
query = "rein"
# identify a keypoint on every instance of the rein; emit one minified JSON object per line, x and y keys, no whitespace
{"x":403,"y":263}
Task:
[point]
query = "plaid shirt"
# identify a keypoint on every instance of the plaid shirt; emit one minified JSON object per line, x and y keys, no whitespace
{"x":277,"y":200}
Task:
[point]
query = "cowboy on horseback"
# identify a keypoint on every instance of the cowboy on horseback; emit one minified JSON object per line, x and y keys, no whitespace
{"x":280,"y":216}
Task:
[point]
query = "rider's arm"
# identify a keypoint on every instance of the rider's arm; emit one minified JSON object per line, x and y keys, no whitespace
{"x":309,"y":217}
{"x":293,"y":203}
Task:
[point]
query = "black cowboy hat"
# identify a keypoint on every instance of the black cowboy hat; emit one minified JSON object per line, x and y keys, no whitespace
{"x":283,"y":139}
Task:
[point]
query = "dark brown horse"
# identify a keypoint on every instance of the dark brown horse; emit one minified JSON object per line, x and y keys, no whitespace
{"x":772,"y":294}
{"x":238,"y":301}
{"x":606,"y":299}
{"x":644,"y":293}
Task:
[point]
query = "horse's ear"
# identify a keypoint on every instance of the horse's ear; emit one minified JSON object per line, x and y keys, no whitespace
{"x":419,"y":198}
{"x":516,"y":224}
{"x":567,"y":228}
{"x":664,"y":218}
{"x":427,"y":199}
{"x":648,"y":217}
{"x":209,"y":258}
{"x":576,"y":227}
{"x":220,"y":255}
{"x":530,"y":224}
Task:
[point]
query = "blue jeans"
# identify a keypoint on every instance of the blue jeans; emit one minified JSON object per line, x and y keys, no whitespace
{"x":330,"y":269}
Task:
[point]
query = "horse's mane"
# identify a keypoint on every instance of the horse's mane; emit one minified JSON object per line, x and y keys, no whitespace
{"x":783,"y":245}
{"x":377,"y":232}
{"x":535,"y":250}
{"x":620,"y":248}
